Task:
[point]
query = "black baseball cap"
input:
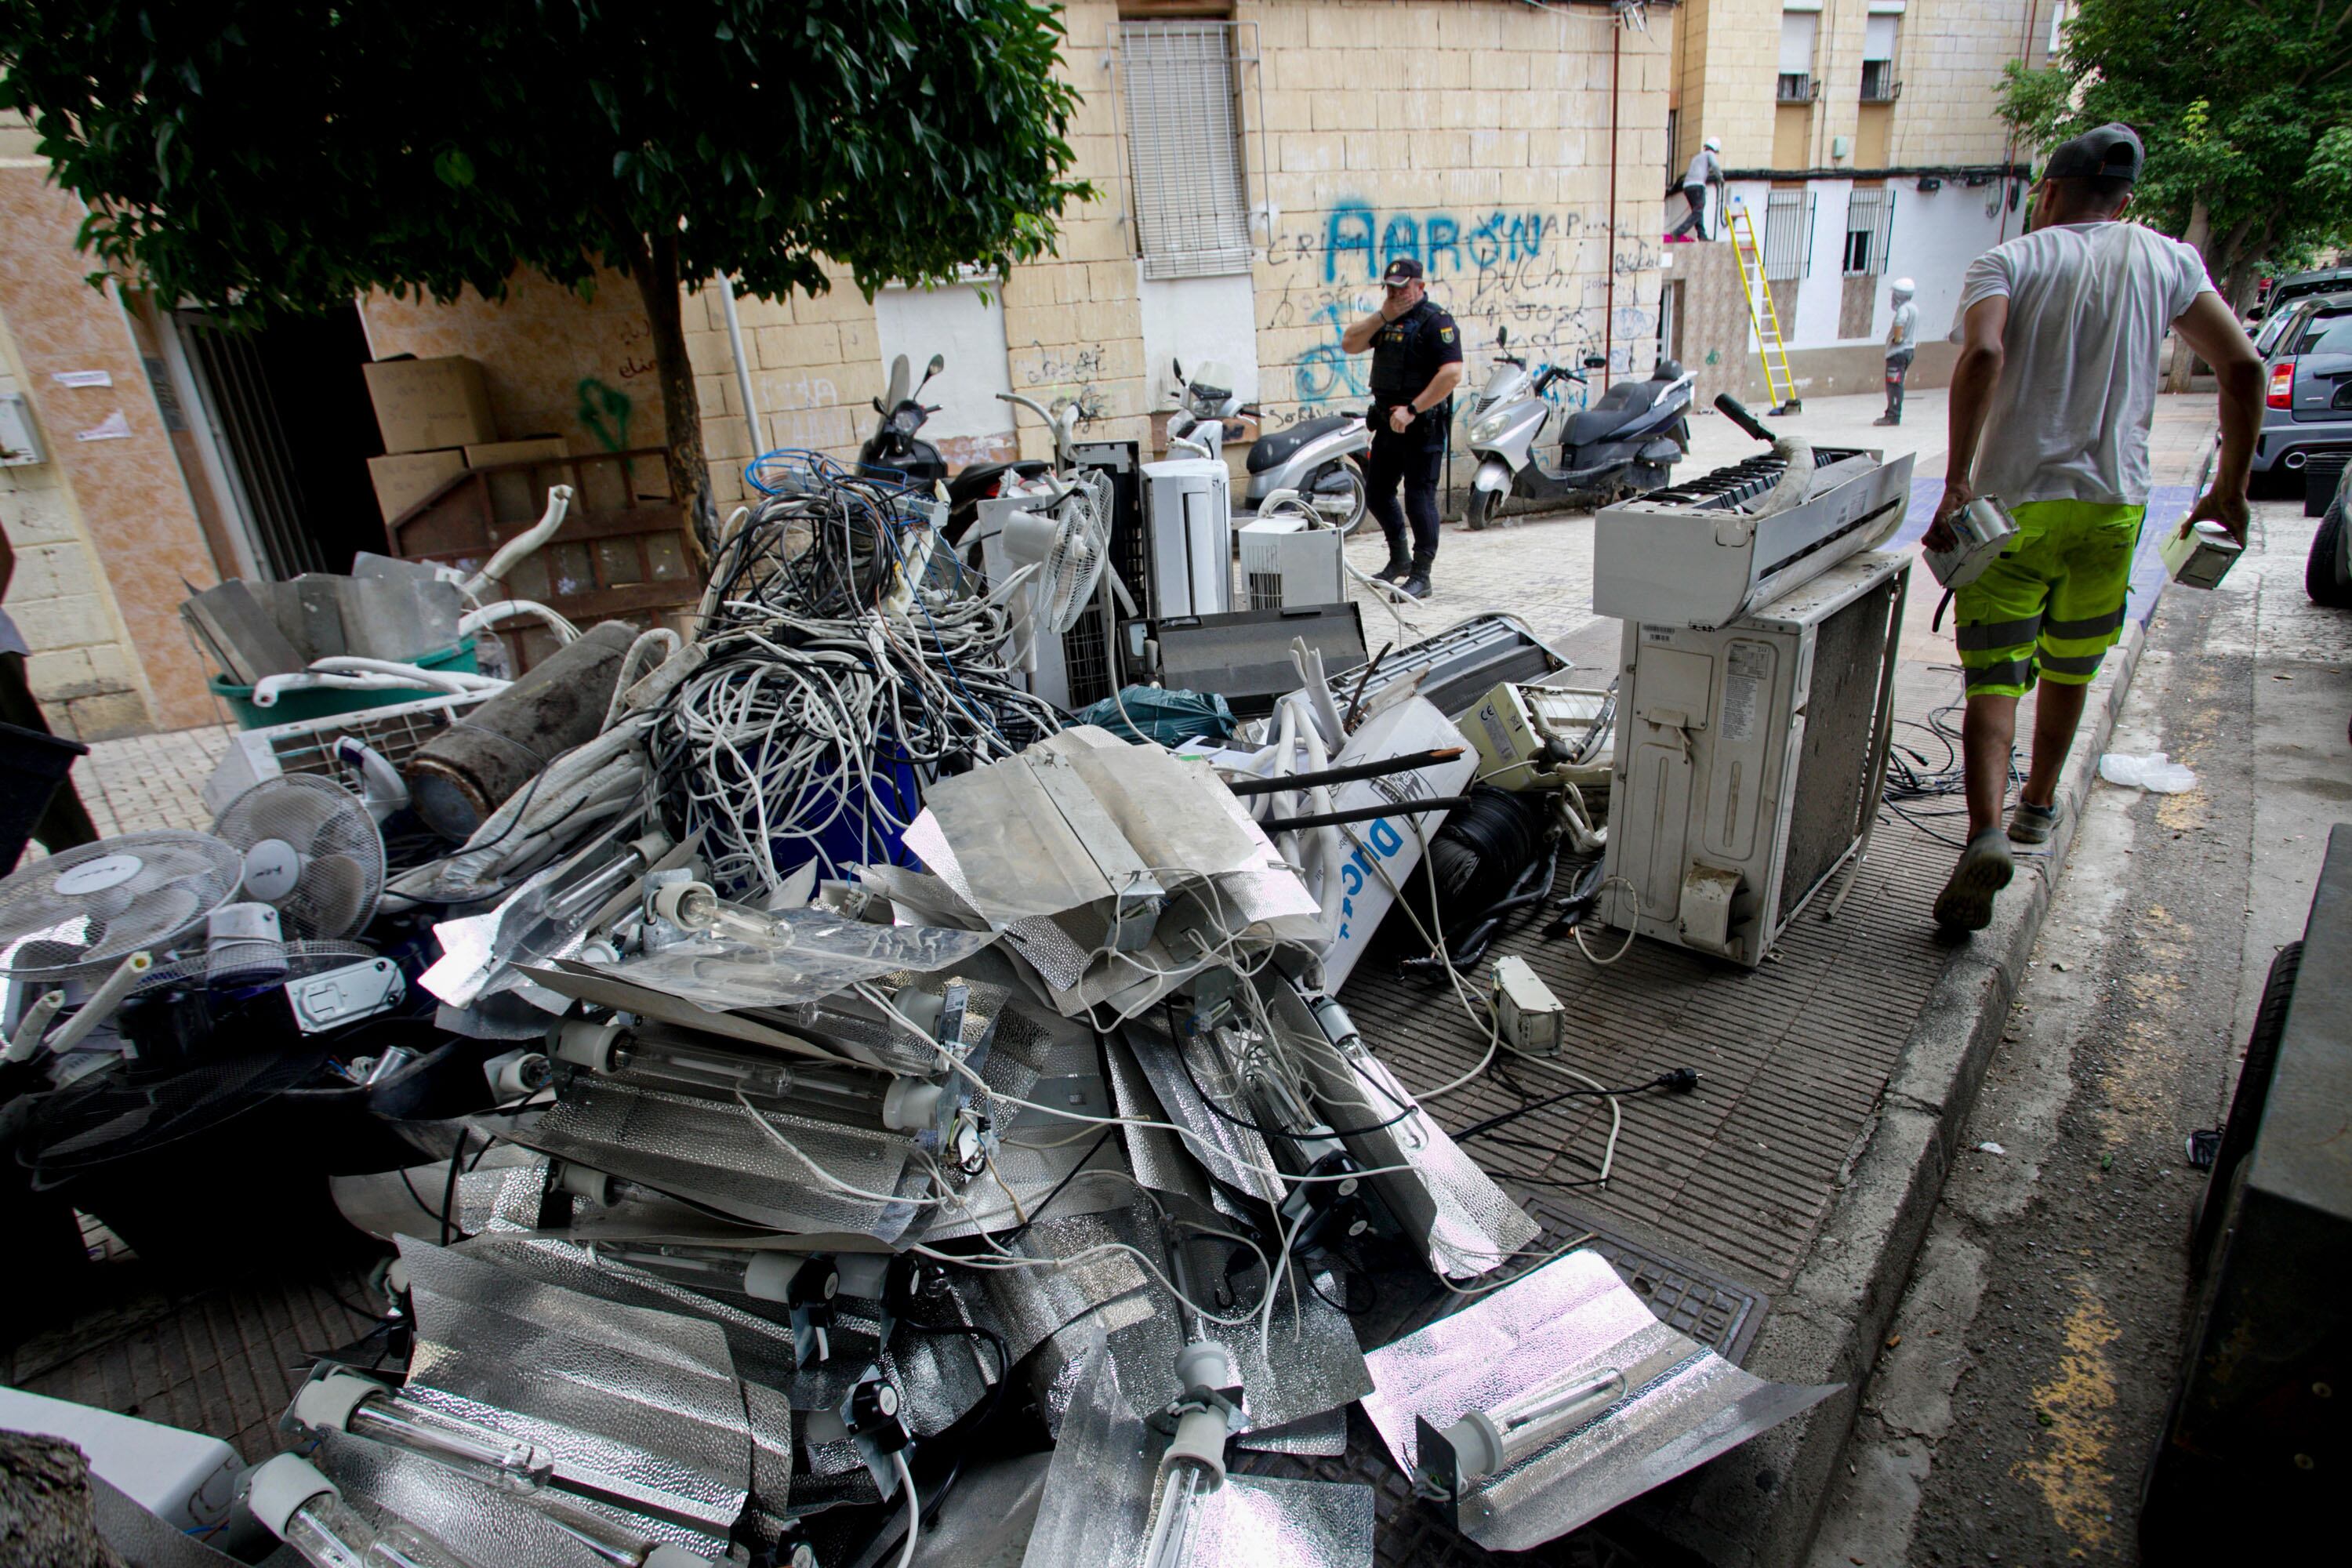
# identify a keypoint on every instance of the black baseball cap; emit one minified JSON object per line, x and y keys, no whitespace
{"x":1402,"y":270}
{"x":2112,"y":151}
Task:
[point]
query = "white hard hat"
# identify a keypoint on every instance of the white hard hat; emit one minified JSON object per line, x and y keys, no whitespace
{"x":1904,"y":285}
{"x":1713,"y":144}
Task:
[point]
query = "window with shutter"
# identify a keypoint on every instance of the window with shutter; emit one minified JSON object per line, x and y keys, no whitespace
{"x":1869,"y":220}
{"x":1788,"y":234}
{"x":1184,"y":148}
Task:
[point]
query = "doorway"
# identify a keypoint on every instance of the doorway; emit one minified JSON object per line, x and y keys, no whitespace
{"x":288,"y":409}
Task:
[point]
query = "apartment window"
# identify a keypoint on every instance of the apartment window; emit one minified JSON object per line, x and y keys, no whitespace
{"x":1797,"y":32}
{"x":1878,"y":85}
{"x":2058,"y":26}
{"x":1788,"y":234}
{"x":1869,"y":222}
{"x":1673,"y":145}
{"x":1184,"y":148}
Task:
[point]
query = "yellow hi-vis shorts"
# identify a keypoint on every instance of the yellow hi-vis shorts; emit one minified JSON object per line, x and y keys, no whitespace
{"x":2052,"y":604}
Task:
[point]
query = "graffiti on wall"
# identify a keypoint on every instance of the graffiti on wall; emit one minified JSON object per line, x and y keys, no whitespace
{"x":1061,"y":378}
{"x":1542,"y":275}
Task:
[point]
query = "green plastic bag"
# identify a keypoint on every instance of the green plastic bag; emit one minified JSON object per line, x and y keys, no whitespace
{"x":1163,"y":717}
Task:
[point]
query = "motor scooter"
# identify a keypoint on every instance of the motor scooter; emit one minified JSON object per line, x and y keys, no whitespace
{"x":1625,"y":444}
{"x":896,"y":446}
{"x":1319,"y":458}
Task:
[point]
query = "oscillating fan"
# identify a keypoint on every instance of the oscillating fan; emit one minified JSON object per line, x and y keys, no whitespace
{"x":310,"y":851}
{"x":76,"y":915}
{"x":1062,"y":554}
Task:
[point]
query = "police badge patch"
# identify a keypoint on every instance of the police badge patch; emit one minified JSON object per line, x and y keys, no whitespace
{"x":1445,"y":334}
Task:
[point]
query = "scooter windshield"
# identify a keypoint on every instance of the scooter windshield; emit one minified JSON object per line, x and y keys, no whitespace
{"x":1507,"y":382}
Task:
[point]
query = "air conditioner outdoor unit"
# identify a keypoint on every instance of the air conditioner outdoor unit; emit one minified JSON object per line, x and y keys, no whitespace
{"x":1751,"y":759}
{"x":1287,"y":562}
{"x":1189,"y":525}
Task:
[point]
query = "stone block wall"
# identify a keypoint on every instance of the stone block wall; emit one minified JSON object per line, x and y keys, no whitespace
{"x":1474,"y":138}
{"x":104,"y":530}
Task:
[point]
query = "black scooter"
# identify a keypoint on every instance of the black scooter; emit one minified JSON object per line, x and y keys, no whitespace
{"x":896,"y":449}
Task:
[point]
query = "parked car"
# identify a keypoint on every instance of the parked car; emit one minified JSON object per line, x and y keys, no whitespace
{"x":2276,"y":325}
{"x":2307,"y":392}
{"x":2298,"y":285}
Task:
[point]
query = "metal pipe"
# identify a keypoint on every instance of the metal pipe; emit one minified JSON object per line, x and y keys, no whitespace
{"x":1378,"y":767}
{"x":1608,"y":319}
{"x":742,"y":365}
{"x":1363,"y":814}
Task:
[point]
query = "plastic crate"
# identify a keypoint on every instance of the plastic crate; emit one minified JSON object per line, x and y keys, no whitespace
{"x":327,"y":701}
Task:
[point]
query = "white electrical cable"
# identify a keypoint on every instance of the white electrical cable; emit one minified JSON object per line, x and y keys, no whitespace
{"x":1486,"y":1285}
{"x":827,"y":1177}
{"x":1495,"y":1023}
{"x":914,"y":1509}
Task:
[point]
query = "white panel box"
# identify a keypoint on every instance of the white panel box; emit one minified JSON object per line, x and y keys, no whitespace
{"x":1749,"y":760}
{"x":1287,"y":562}
{"x":1188,"y":519}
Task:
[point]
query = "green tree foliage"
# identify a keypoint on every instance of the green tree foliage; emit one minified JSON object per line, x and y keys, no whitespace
{"x":2246,"y":110}
{"x":267,"y":154}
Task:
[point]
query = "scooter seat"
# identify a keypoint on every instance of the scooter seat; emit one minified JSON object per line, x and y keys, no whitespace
{"x":1620,"y":404}
{"x":1278,"y":448}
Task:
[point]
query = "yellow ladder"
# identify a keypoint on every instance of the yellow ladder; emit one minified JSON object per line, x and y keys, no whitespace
{"x":1779,"y":384}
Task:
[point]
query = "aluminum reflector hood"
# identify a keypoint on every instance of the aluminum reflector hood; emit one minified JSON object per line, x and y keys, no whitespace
{"x":1682,"y":1405}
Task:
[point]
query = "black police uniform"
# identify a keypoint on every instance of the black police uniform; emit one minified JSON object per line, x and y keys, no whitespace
{"x":1406,"y":354}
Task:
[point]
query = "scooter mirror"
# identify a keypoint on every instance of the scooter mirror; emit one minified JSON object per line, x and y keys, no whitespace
{"x":1595,"y":362}
{"x":1502,"y":337}
{"x":1178,"y":366}
{"x":938,"y":363}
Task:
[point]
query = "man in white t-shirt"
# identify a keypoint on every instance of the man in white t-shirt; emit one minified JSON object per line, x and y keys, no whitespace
{"x":2051,"y":400}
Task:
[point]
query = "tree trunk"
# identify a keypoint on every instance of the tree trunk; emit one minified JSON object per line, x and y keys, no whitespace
{"x":2200,"y":235}
{"x":654,"y":270}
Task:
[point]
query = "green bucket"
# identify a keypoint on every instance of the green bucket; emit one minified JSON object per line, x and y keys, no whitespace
{"x":324,"y":702}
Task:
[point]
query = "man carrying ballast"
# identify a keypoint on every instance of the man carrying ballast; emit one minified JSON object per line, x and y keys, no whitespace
{"x":2051,"y":405}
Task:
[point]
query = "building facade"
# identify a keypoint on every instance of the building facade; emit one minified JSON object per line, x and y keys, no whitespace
{"x":1861,"y":142}
{"x":1257,"y":162}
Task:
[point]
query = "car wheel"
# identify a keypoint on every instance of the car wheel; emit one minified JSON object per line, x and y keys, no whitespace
{"x":2323,"y":574}
{"x":1481,"y":515}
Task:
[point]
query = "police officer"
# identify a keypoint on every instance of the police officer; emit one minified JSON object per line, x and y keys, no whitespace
{"x":1416,"y":364}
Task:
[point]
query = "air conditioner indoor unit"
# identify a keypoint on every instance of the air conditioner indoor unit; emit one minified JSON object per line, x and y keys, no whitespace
{"x":1288,"y":562}
{"x":1751,"y":759}
{"x":1189,"y":530}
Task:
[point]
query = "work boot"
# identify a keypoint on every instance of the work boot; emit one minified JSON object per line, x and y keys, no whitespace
{"x":1985,"y":869}
{"x":1417,"y":585}
{"x":1888,"y":420}
{"x":1399,"y":568}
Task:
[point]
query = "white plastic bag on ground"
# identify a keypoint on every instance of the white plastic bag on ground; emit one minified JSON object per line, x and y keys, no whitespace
{"x":2152,"y":772}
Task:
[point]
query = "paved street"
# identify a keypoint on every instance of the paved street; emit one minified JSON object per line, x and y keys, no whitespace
{"x":2027,"y":1369}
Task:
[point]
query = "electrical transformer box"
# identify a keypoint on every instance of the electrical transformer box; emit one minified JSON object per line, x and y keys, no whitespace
{"x":1751,"y":758}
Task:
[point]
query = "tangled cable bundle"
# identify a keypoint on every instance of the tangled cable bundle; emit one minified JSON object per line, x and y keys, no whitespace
{"x":850,"y":660}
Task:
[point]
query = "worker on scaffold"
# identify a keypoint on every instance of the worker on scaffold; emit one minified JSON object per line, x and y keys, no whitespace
{"x":1416,"y":364}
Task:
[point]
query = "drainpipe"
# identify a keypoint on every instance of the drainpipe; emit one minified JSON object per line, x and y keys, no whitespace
{"x":742,"y":365}
{"x":2024,"y":59}
{"x":1609,"y":322}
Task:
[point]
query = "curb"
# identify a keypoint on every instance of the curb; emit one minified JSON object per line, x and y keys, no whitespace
{"x":1761,"y":1506}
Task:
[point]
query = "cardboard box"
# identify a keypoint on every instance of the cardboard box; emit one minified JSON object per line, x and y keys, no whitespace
{"x":424,"y":405}
{"x":406,"y":477}
{"x":530,"y":450}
